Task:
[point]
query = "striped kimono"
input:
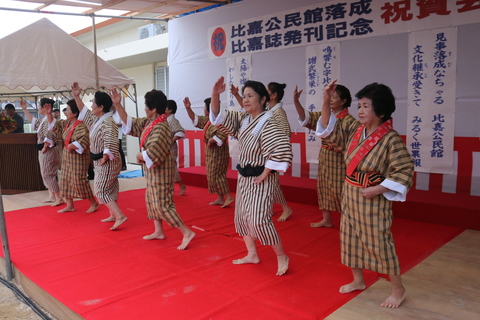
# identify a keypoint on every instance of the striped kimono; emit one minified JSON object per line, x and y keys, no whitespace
{"x":50,"y":160}
{"x":261,"y":142}
{"x":73,"y":179}
{"x":281,"y":117}
{"x":104,"y":139}
{"x":179,"y":131}
{"x":331,"y":164}
{"x":217,"y":157}
{"x":366,"y":240}
{"x":160,"y":176}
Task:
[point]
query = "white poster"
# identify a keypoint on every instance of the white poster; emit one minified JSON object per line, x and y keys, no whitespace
{"x":431,"y":99}
{"x":239,"y":70}
{"x":334,"y":21}
{"x":322,"y":66}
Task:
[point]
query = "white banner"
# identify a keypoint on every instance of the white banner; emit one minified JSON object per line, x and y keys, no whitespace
{"x":431,"y":99}
{"x":239,"y":70}
{"x":322,"y":66}
{"x":334,"y":21}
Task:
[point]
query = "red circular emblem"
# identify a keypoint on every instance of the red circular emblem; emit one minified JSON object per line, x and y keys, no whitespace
{"x":218,"y":42}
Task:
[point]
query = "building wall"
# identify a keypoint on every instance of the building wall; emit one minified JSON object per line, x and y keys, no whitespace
{"x":145,"y":81}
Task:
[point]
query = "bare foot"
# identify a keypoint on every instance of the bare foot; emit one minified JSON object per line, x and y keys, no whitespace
{"x":154,"y":236}
{"x":227,"y":202}
{"x":49,"y":200}
{"x":118,"y":222}
{"x":282,"y":265}
{"x":182,"y":190}
{"x":109,"y":219}
{"x":321,"y":224}
{"x":216,"y":203}
{"x":395,"y":299}
{"x":247,"y":259}
{"x":66,"y":209}
{"x":352,"y":287}
{"x":93,"y":208}
{"x":285,"y":215}
{"x":57,"y":203}
{"x":187,"y":237}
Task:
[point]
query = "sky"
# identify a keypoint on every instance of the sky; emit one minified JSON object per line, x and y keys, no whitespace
{"x":11,"y":21}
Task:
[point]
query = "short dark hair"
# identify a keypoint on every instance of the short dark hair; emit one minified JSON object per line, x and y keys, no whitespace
{"x":344,"y":93}
{"x":45,"y":101}
{"x":56,"y":110}
{"x":259,"y":88}
{"x":73,"y":107}
{"x":103,"y":99}
{"x":383,"y":100}
{"x":9,"y":106}
{"x":207,"y":103}
{"x":277,"y":88}
{"x":156,"y":99}
{"x":172,"y":106}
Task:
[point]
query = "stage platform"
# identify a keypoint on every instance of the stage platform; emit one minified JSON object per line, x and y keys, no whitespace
{"x":78,"y":269}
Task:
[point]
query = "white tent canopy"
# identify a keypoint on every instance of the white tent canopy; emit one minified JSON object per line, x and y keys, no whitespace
{"x":43,"y":60}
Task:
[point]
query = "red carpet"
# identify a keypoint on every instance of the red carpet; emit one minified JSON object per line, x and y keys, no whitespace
{"x":107,"y":275}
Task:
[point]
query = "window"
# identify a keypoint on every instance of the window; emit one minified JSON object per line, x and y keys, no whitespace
{"x":162,"y":79}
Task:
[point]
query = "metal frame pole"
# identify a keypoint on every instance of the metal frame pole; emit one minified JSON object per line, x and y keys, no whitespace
{"x":6,"y":248}
{"x":84,"y":14}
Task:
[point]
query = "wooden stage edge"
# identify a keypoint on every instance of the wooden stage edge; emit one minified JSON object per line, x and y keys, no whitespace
{"x":39,"y":295}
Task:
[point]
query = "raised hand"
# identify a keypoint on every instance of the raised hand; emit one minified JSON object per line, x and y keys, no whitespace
{"x":233,"y":90}
{"x":329,"y":90}
{"x":116,"y":96}
{"x":219,"y":86}
{"x":296,"y":94}
{"x":186,"y":103}
{"x":76,"y":90}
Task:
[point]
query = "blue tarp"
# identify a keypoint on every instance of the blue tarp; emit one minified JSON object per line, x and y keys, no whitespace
{"x":130,"y":174}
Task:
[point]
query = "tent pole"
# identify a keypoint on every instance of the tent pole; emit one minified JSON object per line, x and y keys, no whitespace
{"x":6,"y":248}
{"x":97,"y":83}
{"x":84,"y":14}
{"x":136,"y":111}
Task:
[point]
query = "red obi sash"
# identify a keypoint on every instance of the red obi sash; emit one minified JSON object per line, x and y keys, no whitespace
{"x":367,"y":145}
{"x":364,"y":180}
{"x":159,"y":119}
{"x":70,"y":133}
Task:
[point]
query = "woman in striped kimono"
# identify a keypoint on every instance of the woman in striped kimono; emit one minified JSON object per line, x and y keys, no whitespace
{"x":103,"y":150}
{"x":75,"y":159}
{"x":155,"y":142}
{"x":379,"y":170}
{"x":217,"y":155}
{"x":276,"y":92}
{"x":331,"y":164}
{"x":178,"y":132}
{"x":48,"y":155}
{"x":264,"y":149}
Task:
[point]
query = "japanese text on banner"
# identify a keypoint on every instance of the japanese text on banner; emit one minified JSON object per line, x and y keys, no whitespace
{"x":322,"y":66}
{"x":431,"y":99}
